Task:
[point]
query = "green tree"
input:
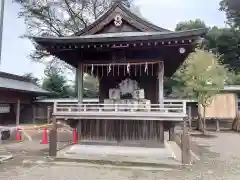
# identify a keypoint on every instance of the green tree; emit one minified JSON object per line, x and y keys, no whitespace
{"x":225,"y":42}
{"x":232,"y":10}
{"x":222,"y":41}
{"x":31,"y":78}
{"x":192,"y":24}
{"x":231,"y":38}
{"x":182,"y":26}
{"x":201,"y":77}
{"x":56,"y":83}
{"x":91,"y":86}
{"x":61,"y":18}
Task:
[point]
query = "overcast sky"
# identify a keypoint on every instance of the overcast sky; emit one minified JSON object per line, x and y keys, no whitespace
{"x":164,"y":13}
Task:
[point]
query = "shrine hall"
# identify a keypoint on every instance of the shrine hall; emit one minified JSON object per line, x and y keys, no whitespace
{"x":130,"y":57}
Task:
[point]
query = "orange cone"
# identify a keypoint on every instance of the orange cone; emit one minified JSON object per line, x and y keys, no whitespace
{"x":18,"y":135}
{"x":74,"y":136}
{"x":45,"y":137}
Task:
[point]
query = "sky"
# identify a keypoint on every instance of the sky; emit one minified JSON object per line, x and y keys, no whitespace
{"x":164,"y":13}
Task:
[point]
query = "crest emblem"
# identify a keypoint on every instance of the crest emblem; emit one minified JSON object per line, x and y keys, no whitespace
{"x":118,"y":20}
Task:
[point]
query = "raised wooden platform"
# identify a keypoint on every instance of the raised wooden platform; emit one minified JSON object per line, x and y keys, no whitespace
{"x":169,"y":111}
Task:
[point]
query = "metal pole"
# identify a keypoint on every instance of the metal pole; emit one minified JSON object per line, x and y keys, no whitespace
{"x":1,"y":26}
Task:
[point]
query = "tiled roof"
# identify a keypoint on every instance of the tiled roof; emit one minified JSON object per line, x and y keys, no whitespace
{"x":19,"y":83}
{"x":123,"y":36}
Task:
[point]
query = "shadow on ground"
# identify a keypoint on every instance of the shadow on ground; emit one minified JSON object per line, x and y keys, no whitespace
{"x":200,"y":135}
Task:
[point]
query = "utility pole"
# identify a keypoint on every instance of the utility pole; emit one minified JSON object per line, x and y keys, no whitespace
{"x":1,"y":26}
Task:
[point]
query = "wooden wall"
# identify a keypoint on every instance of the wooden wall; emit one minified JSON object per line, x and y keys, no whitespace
{"x":119,"y":130}
{"x":26,"y":115}
{"x":223,"y":106}
{"x":10,"y":96}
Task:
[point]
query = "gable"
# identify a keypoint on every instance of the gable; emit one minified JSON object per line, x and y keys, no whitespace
{"x":130,"y":22}
{"x":112,"y":28}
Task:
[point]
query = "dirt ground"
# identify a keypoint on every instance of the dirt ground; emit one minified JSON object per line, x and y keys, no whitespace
{"x":219,"y":160}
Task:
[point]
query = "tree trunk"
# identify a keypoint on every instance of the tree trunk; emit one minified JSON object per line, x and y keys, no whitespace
{"x":201,"y":124}
{"x":199,"y":119}
{"x":204,"y":119}
{"x":217,"y":125}
{"x":190,"y":116}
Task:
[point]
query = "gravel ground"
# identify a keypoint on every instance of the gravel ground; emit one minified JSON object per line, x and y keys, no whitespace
{"x":220,"y":160}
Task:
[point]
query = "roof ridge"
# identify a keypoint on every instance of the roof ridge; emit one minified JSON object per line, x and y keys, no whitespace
{"x":79,"y":33}
{"x":140,"y":17}
{"x":128,"y":11}
{"x":19,"y":83}
{"x":14,"y":77}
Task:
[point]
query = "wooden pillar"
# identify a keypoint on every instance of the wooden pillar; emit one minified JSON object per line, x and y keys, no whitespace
{"x":79,"y":82}
{"x":116,"y":124}
{"x":76,"y":81}
{"x":161,"y":129}
{"x":160,"y":82}
{"x":48,"y":114}
{"x":34,"y":113}
{"x":171,"y":132}
{"x":18,"y":112}
{"x":160,"y":97}
{"x":53,"y":139}
{"x":79,"y":130}
{"x":102,"y":89}
{"x":185,"y":143}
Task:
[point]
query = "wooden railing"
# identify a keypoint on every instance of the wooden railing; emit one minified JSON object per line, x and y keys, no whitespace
{"x":168,"y":108}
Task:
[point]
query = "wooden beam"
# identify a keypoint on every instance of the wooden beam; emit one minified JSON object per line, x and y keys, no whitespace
{"x":160,"y":82}
{"x":79,"y":130}
{"x":48,"y":114}
{"x":79,"y":77}
{"x":132,"y":43}
{"x":161,"y":129}
{"x":185,"y":144}
{"x":18,"y":113}
{"x":34,"y":113}
{"x":171,"y":132}
{"x":80,"y":82}
{"x":53,"y":139}
{"x":76,"y":81}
